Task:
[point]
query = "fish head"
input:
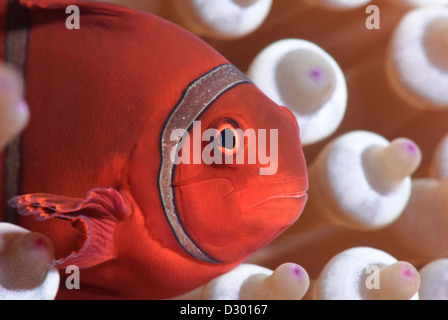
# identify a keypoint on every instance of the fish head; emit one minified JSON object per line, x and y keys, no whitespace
{"x":241,"y":179}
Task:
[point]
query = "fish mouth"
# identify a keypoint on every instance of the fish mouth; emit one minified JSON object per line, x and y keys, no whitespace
{"x":257,"y":195}
{"x":290,"y":195}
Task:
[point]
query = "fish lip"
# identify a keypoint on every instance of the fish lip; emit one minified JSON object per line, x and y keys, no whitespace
{"x":289,"y":195}
{"x":256,"y":195}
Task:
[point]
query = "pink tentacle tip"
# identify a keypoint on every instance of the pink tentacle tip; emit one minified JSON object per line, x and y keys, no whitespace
{"x":411,"y":147}
{"x":316,"y":74}
{"x":407,"y":273}
{"x":296,"y":271}
{"x":21,"y":105}
{"x":40,"y":243}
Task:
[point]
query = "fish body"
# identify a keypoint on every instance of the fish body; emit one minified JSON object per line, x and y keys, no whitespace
{"x":96,"y":175}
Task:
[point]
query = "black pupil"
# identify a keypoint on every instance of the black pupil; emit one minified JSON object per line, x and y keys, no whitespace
{"x":227,"y":139}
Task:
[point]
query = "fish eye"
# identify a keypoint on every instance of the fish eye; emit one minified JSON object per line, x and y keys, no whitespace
{"x":228,"y":137}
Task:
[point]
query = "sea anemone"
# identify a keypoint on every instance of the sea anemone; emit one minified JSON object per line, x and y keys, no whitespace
{"x":418,"y":65}
{"x":392,"y":123}
{"x":350,"y":275}
{"x":288,"y":281}
{"x":301,"y":76}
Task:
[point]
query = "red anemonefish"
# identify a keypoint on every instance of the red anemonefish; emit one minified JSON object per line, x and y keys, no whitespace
{"x":96,"y":169}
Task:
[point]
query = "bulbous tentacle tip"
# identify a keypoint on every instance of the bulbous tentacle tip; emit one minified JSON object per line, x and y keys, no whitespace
{"x":417,"y":64}
{"x":306,"y":79}
{"x":365,"y":273}
{"x":14,"y":112}
{"x":434,"y":280}
{"x":398,"y":281}
{"x":288,"y":281}
{"x":387,"y":167}
{"x":25,"y":264}
{"x":38,"y":249}
{"x":359,"y":168}
{"x":291,"y":282}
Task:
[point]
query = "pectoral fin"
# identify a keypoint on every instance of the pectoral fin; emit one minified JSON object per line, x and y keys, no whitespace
{"x":94,"y":217}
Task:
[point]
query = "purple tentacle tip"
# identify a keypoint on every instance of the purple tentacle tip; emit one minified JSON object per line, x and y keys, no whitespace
{"x":21,"y":105}
{"x":296,"y":271}
{"x":411,"y":147}
{"x":316,"y":74}
{"x":407,"y":273}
